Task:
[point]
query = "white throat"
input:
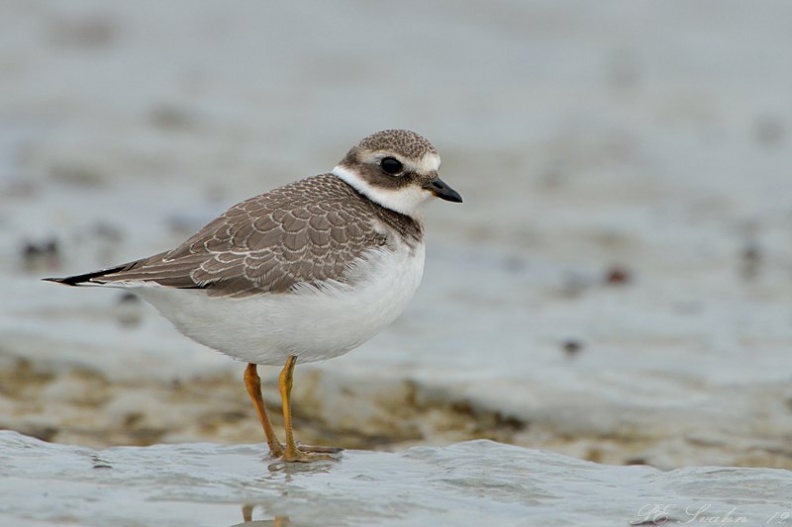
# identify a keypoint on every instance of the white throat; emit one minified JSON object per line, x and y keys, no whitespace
{"x":406,"y":200}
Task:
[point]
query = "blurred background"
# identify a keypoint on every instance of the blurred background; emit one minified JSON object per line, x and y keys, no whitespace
{"x":615,"y":287}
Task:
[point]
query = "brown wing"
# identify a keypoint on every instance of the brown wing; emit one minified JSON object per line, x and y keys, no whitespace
{"x":307,"y":232}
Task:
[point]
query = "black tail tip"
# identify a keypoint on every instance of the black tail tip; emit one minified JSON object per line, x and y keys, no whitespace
{"x":87,"y":278}
{"x":70,"y":280}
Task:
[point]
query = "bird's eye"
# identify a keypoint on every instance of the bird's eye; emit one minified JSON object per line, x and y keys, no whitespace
{"x":391,"y":165}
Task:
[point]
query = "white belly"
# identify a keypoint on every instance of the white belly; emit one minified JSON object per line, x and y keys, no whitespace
{"x":312,"y":324}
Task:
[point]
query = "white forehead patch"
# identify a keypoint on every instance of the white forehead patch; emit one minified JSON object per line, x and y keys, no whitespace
{"x":430,"y":162}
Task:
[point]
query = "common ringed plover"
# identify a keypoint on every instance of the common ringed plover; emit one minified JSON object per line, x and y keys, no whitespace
{"x":305,"y":272}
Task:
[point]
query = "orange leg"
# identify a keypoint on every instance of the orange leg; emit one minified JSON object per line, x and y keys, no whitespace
{"x":253,"y":386}
{"x":292,"y":452}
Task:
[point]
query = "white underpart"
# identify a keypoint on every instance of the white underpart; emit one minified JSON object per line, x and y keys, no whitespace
{"x":406,"y":200}
{"x":312,"y":323}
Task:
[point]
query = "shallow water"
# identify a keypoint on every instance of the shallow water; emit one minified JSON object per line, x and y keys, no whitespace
{"x":464,"y":484}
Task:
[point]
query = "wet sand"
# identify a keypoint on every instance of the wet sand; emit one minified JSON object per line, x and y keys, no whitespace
{"x":615,"y":288}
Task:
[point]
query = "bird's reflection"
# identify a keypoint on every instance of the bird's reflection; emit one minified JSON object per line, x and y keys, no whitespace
{"x":291,"y":469}
{"x":248,"y":521}
{"x":286,"y":473}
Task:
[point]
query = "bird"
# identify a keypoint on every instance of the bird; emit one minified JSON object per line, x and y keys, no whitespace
{"x":305,"y":272}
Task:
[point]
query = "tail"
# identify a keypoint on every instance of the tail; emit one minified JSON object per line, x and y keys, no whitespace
{"x":88,"y":278}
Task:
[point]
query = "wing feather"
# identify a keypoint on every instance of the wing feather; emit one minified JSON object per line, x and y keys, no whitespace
{"x":309,"y":232}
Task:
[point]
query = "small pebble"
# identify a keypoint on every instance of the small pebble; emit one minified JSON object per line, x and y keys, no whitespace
{"x":38,"y":256}
{"x":572,"y":347}
{"x":750,"y":261}
{"x":617,"y":275}
{"x":128,"y":311}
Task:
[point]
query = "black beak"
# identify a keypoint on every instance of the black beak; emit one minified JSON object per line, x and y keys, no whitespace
{"x":438,"y":187}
